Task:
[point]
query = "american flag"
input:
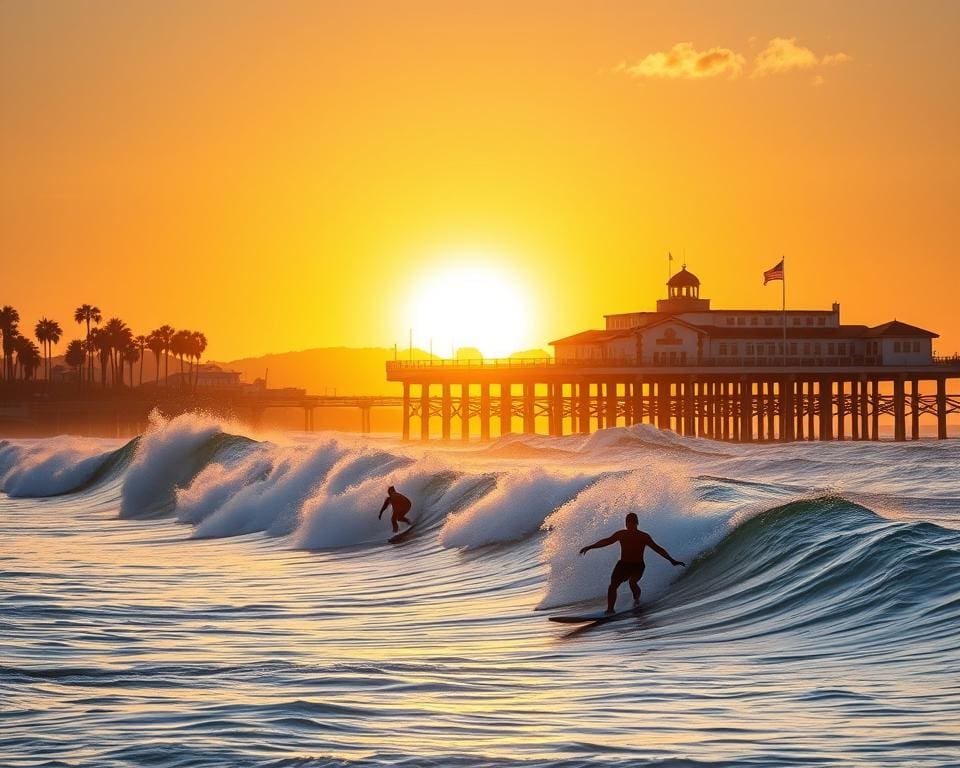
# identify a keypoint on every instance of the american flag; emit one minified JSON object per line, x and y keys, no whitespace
{"x":773,"y":274}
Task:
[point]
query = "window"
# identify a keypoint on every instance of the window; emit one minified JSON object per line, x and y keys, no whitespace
{"x":817,"y":349}
{"x":842,"y":349}
{"x":806,"y":347}
{"x":741,"y":321}
{"x":821,"y":321}
{"x":793,"y":347}
{"x":896,"y":346}
{"x":729,"y":321}
{"x":754,"y":320}
{"x":831,"y":348}
{"x":809,"y":321}
{"x":918,"y":346}
{"x":796,"y":321}
{"x":771,"y":349}
{"x":723,"y":349}
{"x":733,"y":349}
{"x":750,"y":348}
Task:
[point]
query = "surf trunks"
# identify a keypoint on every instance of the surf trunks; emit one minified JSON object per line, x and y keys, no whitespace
{"x":624,"y":570}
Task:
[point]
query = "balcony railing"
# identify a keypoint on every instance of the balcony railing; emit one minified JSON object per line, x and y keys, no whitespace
{"x":775,"y":361}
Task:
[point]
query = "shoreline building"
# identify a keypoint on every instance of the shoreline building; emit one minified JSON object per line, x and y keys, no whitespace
{"x":724,"y":374}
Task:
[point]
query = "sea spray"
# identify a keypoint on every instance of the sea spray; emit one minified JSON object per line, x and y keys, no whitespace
{"x":667,"y":509}
{"x":517,"y":506}
{"x":50,"y":467}
{"x":272,"y":500}
{"x":338,"y":520}
{"x":170,"y":454}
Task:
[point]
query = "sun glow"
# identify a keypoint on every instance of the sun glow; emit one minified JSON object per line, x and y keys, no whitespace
{"x":471,"y":305}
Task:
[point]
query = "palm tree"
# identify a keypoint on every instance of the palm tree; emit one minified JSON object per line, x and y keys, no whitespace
{"x":118,"y":336}
{"x":101,"y":343}
{"x":155,"y":344}
{"x":9,"y":319}
{"x":28,"y":357}
{"x":197,"y":347}
{"x":180,"y":346}
{"x":131,"y":353}
{"x":48,"y":333}
{"x":87,"y":313}
{"x":141,"y":342}
{"x":74,"y":357}
{"x":166,"y":332}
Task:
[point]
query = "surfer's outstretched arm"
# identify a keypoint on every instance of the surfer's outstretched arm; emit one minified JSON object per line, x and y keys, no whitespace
{"x":386,"y":502}
{"x":598,"y":544}
{"x":664,"y":554}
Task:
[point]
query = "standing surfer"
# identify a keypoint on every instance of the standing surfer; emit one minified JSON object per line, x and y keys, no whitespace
{"x":401,"y":505}
{"x":630,"y":567}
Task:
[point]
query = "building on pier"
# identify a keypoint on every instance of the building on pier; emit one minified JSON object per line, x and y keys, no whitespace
{"x":725,"y":374}
{"x":684,"y":330}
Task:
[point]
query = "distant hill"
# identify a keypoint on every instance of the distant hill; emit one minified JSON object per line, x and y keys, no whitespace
{"x":347,"y":370}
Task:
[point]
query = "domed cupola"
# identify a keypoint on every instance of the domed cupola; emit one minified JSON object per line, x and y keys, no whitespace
{"x":683,"y":294}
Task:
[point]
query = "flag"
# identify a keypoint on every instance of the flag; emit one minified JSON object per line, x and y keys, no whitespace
{"x":773,"y":274}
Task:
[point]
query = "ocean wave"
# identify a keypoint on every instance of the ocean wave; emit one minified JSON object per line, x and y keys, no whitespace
{"x":57,"y":466}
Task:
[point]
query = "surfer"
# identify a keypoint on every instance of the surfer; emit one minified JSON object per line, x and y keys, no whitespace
{"x":630,"y":567}
{"x":401,"y":505}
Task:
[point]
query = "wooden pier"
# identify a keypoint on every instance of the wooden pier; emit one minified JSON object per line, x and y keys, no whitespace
{"x":742,"y":403}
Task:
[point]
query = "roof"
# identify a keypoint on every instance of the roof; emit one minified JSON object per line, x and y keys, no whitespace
{"x":897,"y":329}
{"x":594,"y":337}
{"x":702,"y":329}
{"x":683,"y":278}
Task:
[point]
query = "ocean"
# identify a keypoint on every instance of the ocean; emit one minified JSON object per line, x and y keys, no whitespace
{"x":205,"y":596}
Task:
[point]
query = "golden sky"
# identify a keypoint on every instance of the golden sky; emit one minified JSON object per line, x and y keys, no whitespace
{"x":284,"y":175}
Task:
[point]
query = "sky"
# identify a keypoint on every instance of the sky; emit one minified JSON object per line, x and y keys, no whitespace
{"x":287,"y":175}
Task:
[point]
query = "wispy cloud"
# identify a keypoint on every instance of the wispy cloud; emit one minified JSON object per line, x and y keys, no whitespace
{"x":784,"y":54}
{"x":684,"y":61}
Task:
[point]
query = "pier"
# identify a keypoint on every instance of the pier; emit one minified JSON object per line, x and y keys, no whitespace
{"x":712,"y":399}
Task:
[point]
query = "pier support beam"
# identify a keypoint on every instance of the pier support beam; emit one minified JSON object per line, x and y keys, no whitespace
{"x":529,"y":422}
{"x":689,"y":408}
{"x":746,"y":410}
{"x":787,"y":409}
{"x":485,"y":412}
{"x":914,"y":410}
{"x":583,"y":407}
{"x":899,"y":411}
{"x":446,"y":411}
{"x":875,"y":411}
{"x":465,"y":412}
{"x":854,"y":410}
{"x":424,"y":412}
{"x":941,"y":408}
{"x":610,"y":404}
{"x":864,"y":408}
{"x":406,"y":411}
{"x":637,"y":410}
{"x":826,"y":409}
{"x":506,"y":409}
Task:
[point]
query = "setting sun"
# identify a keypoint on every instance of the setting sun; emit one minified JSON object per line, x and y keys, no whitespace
{"x":470,"y":305}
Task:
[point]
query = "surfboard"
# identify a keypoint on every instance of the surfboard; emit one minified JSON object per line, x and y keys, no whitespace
{"x":598,"y":617}
{"x":401,"y":535}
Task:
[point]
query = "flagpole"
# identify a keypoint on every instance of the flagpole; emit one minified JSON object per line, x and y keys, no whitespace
{"x":783,"y":306}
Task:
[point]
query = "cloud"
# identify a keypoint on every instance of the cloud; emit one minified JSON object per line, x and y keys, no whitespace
{"x":685,"y":61}
{"x":783,"y":54}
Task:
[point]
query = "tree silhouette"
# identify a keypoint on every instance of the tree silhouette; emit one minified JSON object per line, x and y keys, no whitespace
{"x":28,"y":357}
{"x":9,"y":320}
{"x":141,"y":342}
{"x":165,"y":332}
{"x":87,"y":313}
{"x":48,"y":333}
{"x":75,"y":356}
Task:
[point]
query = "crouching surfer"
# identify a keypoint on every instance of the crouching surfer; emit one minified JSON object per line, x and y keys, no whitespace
{"x":401,"y":505}
{"x":630,"y":567}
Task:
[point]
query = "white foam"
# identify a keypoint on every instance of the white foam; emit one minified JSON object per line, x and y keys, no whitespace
{"x":515,"y":508}
{"x":270,"y":502}
{"x":49,"y":467}
{"x":667,"y":510}
{"x":162,"y":461}
{"x":349,"y":518}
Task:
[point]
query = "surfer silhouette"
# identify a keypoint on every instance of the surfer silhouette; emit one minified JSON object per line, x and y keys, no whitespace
{"x":401,"y":505}
{"x":630,"y":567}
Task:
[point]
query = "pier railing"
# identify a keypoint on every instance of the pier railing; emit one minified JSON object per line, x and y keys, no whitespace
{"x":767,"y":361}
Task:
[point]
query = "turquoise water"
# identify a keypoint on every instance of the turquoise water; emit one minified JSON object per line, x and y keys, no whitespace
{"x":200,"y":597}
